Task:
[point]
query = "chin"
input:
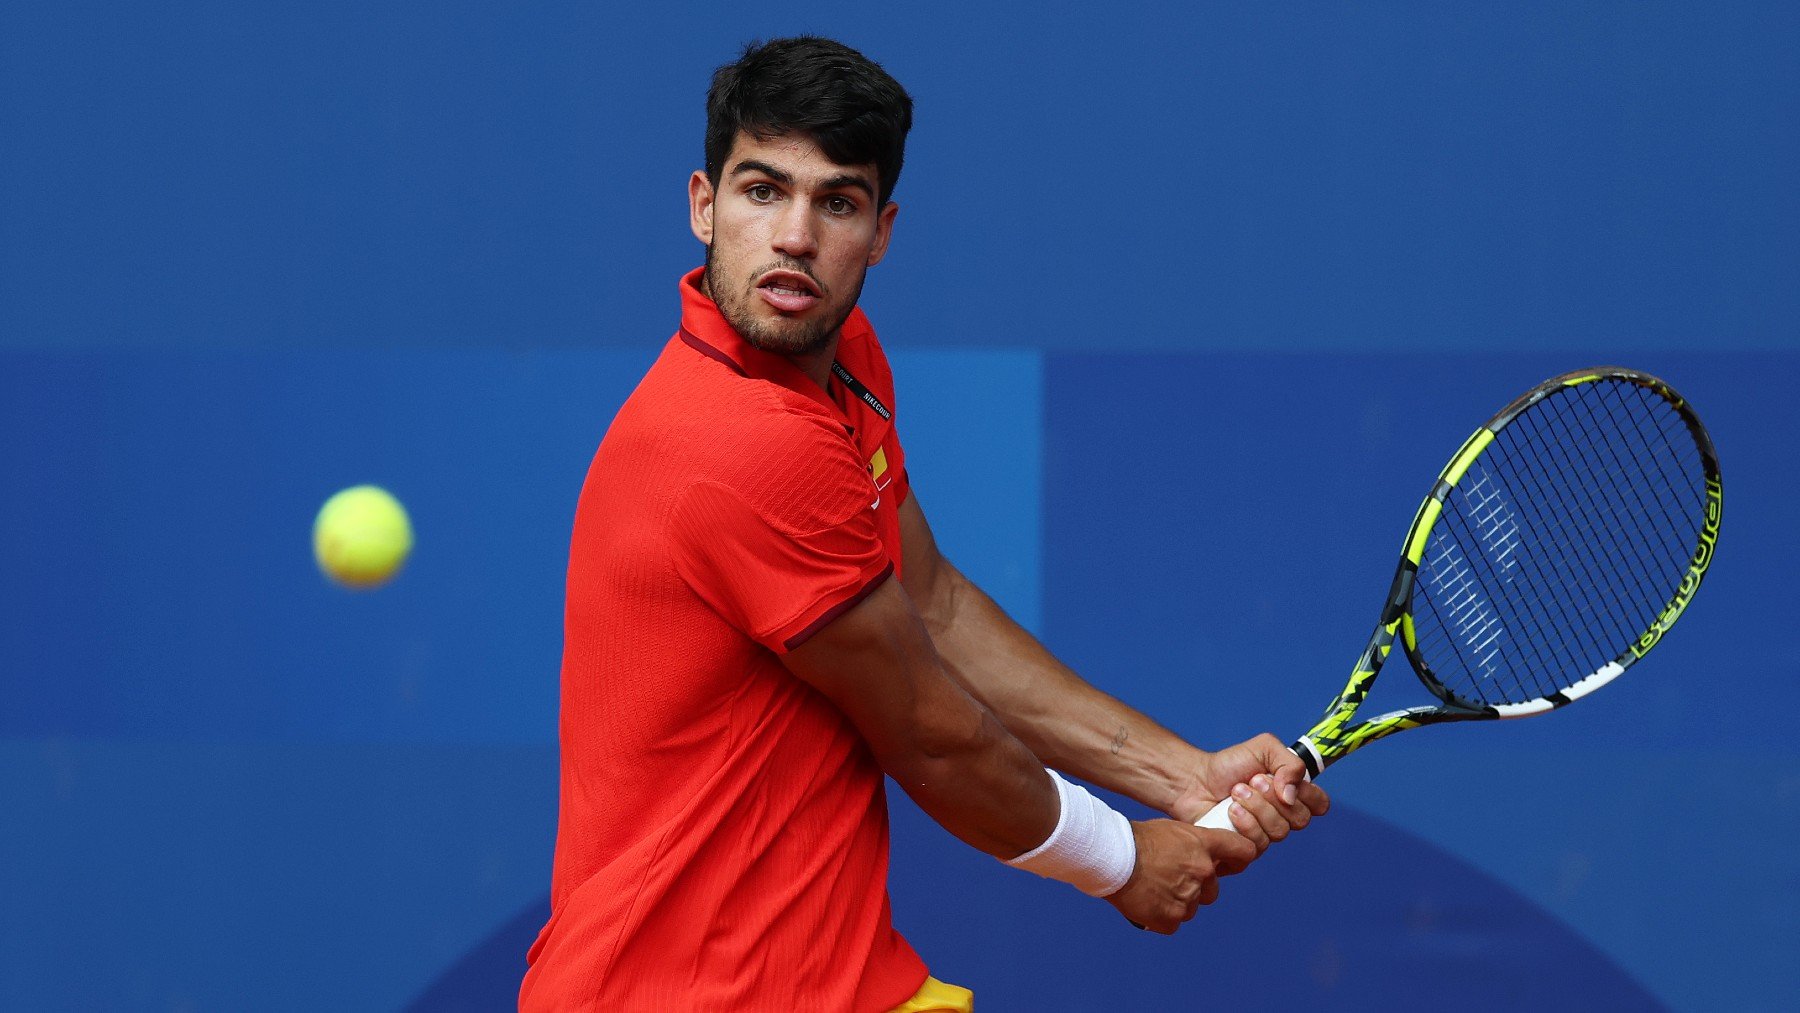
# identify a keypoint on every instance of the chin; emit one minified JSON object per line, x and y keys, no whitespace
{"x":782,"y":335}
{"x":786,"y":344}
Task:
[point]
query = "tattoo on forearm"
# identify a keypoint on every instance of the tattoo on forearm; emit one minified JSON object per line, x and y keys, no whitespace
{"x":1118,"y":741}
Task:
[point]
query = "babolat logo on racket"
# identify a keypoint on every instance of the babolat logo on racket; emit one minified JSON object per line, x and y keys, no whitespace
{"x":1690,"y":582}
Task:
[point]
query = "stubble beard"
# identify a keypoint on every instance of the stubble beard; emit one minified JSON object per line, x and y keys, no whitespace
{"x":797,"y":338}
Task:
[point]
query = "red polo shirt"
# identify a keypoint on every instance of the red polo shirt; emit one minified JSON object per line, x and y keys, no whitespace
{"x":723,"y":836}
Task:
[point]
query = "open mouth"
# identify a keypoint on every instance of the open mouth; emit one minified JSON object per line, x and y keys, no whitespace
{"x":788,"y":291}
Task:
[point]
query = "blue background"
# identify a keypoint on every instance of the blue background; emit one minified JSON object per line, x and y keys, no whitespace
{"x":1185,"y":306}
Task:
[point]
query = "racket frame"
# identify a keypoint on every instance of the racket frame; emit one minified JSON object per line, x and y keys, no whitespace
{"x":1336,"y":735}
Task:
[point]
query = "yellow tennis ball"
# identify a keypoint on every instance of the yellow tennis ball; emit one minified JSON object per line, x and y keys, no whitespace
{"x":362,"y":536}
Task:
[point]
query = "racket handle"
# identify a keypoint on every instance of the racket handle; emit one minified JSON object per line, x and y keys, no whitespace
{"x":1219,"y":816}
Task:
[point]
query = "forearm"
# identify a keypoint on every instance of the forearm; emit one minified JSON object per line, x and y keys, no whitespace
{"x":984,"y":786}
{"x":934,"y":738}
{"x":1066,"y":722}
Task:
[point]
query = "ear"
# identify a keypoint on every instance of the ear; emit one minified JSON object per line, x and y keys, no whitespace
{"x":700,"y":206}
{"x":884,"y":230}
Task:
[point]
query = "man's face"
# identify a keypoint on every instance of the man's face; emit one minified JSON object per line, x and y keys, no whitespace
{"x":789,"y":236}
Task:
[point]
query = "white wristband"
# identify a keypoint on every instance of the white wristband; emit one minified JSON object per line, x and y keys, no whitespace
{"x":1091,"y":848}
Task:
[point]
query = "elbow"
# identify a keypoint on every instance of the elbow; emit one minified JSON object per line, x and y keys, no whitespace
{"x":936,"y":740}
{"x":939,"y":599}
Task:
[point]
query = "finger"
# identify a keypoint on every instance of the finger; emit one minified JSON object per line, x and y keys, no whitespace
{"x":1289,"y":774}
{"x":1209,"y":890}
{"x":1256,"y":816}
{"x":1309,"y":800}
{"x":1293,"y":814}
{"x":1188,"y":897}
{"x":1231,"y":853}
{"x":1314,"y":799}
{"x":1269,"y":751}
{"x":1248,"y":823}
{"x":1159,"y":925}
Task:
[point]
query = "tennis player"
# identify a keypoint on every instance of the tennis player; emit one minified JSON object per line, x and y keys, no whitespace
{"x":759,"y":626}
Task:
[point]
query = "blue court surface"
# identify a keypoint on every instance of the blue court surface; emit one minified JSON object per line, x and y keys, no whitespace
{"x":1185,"y":308}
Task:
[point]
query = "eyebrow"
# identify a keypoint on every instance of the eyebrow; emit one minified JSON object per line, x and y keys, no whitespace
{"x":845,"y":179}
{"x":838,"y":182}
{"x":752,"y":165}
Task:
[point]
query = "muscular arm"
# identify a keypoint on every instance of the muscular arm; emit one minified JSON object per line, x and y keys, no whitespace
{"x":941,"y":745}
{"x":1066,"y":722}
{"x":962,"y":766}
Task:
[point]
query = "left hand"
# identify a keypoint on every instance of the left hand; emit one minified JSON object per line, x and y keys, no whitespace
{"x":1280,"y":798}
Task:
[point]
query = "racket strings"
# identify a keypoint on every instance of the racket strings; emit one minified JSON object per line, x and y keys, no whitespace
{"x":1464,"y":594}
{"x":1562,"y":543}
{"x":1624,"y":588}
{"x":1668,"y":456}
{"x":1468,"y":597}
{"x":1601,"y":599}
{"x":1681,"y":457}
{"x":1565,"y":435}
{"x":1619,"y":467}
{"x":1586,"y":444}
{"x":1517,"y":677}
{"x":1508,"y":673}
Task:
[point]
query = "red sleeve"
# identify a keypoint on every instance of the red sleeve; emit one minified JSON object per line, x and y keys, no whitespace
{"x":896,"y":459}
{"x":785,"y":544}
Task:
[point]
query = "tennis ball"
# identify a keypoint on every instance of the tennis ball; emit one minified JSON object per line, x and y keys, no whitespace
{"x":361,"y":537}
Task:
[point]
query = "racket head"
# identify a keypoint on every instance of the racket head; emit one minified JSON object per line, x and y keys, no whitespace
{"x":1560,"y":543}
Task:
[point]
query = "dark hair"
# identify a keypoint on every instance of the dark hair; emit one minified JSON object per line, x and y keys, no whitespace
{"x":851,"y":108}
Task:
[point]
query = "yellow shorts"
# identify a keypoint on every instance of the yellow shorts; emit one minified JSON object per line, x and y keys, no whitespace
{"x":936,"y":997}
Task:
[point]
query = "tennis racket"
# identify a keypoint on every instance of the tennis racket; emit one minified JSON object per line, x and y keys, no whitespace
{"x":1553,"y":552}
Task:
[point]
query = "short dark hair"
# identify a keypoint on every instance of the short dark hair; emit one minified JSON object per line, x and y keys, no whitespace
{"x":852,"y":109}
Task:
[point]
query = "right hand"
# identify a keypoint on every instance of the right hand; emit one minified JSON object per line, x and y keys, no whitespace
{"x":1178,"y":870}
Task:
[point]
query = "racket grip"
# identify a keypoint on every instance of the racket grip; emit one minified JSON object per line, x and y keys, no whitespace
{"x":1218,"y":817}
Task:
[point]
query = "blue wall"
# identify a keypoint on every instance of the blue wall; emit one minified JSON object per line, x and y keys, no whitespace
{"x":1165,"y":282}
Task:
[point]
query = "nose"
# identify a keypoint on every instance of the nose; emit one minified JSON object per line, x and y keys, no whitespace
{"x":794,"y":234}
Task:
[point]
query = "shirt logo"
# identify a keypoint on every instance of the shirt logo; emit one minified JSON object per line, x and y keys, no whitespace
{"x":878,"y":470}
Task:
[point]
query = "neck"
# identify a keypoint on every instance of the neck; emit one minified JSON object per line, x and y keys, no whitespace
{"x":817,"y":365}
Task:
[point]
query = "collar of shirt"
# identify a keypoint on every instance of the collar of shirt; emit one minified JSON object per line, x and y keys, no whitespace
{"x":704,"y":329}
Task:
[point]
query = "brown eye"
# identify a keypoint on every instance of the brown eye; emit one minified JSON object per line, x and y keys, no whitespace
{"x":761,"y":193}
{"x":840,"y":205}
